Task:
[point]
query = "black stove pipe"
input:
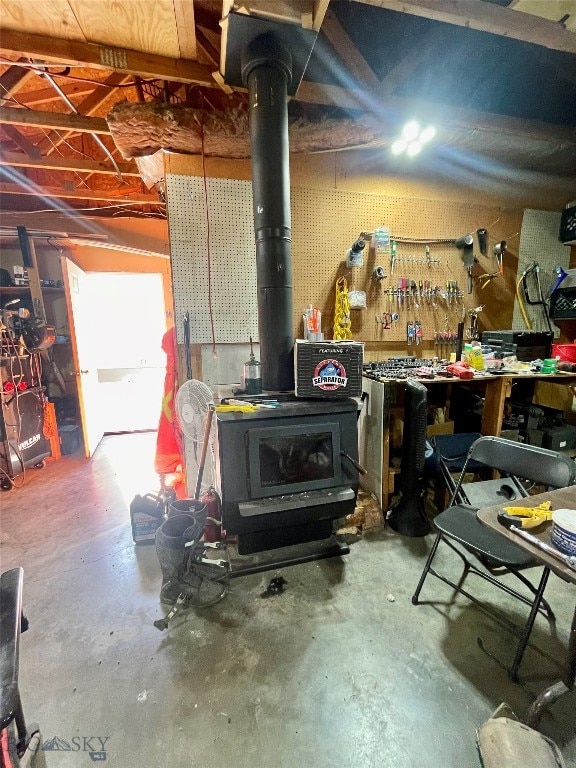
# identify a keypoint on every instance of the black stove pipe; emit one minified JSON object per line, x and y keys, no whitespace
{"x":266,"y":72}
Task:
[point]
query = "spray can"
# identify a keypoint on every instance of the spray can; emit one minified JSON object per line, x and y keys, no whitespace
{"x":252,"y":374}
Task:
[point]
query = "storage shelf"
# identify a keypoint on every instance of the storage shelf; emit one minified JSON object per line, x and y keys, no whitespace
{"x":14,"y":289}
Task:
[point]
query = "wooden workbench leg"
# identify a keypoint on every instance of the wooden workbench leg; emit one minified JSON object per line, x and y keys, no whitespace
{"x":496,"y":393}
{"x":386,"y":491}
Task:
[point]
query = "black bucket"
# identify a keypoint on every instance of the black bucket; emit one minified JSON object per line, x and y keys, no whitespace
{"x":187,"y":507}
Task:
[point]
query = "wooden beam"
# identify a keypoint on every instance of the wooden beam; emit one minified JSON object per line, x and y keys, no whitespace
{"x":57,"y":120}
{"x":319,"y":12}
{"x":369,"y":101}
{"x":48,"y":95}
{"x":87,"y":106}
{"x":96,"y":56}
{"x":75,"y":194}
{"x":185,"y":28}
{"x":206,"y":46}
{"x":355,"y":63}
{"x":487,"y":17}
{"x":12,"y":80}
{"x":21,"y":141}
{"x":80,"y":165}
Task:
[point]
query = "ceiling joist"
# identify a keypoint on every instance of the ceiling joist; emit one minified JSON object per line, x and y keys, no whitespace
{"x":21,"y":141}
{"x":487,"y":17}
{"x":355,"y":63}
{"x":79,"y":194}
{"x":77,"y":53}
{"x":56,"y":120}
{"x":87,"y":106}
{"x":12,"y":80}
{"x":80,"y":165}
{"x":315,"y":93}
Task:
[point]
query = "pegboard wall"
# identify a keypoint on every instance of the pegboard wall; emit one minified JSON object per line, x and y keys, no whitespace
{"x":325,"y":223}
{"x":539,"y":242}
{"x":233,"y":259}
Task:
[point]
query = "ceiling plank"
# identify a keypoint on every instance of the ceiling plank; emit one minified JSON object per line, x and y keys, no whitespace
{"x":147,"y":65}
{"x":85,"y":194}
{"x":49,"y":17}
{"x":21,"y":141}
{"x":57,"y":120}
{"x":87,"y":106}
{"x":185,"y":28}
{"x":140,"y":25}
{"x":316,"y":93}
{"x":12,"y":80}
{"x":487,"y":17}
{"x":81,"y":165}
{"x":355,"y":63}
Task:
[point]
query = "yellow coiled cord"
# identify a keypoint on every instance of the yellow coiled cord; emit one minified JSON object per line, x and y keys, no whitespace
{"x":342,"y":323}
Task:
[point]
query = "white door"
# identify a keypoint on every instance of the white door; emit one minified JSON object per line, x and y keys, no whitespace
{"x":83,"y":327}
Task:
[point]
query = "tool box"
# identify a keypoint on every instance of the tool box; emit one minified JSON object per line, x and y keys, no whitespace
{"x":328,"y":369}
{"x":530,"y":345}
{"x":559,"y":438}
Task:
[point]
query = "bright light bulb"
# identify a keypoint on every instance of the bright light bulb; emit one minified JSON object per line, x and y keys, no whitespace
{"x":398,"y":147}
{"x":411,"y":130}
{"x":413,"y":148}
{"x":427,"y":134}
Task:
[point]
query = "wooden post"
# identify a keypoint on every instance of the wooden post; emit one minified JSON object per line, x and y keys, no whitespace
{"x":496,"y":393}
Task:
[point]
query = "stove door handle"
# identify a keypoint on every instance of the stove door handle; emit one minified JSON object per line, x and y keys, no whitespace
{"x":354,"y":463}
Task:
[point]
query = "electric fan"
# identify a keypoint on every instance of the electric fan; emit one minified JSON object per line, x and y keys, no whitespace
{"x":195,"y":410}
{"x":203,"y":581}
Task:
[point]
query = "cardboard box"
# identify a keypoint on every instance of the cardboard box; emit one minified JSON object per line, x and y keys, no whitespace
{"x":445,"y":428}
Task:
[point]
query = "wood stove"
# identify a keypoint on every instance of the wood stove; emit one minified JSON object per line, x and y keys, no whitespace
{"x":287,"y":473}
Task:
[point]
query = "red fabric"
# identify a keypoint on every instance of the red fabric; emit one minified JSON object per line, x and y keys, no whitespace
{"x":5,"y":758}
{"x":169,"y":459}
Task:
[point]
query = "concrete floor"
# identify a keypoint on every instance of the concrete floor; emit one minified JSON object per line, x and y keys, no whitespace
{"x":331,"y":673}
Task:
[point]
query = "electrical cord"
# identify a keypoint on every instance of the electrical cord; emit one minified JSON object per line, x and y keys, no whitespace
{"x":208,"y":254}
{"x":42,"y":68}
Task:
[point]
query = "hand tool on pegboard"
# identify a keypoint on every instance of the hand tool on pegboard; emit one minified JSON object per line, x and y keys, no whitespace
{"x":466,"y":245}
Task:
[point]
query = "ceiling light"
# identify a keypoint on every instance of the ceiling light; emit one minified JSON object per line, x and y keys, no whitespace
{"x":427,"y":134}
{"x":413,"y":148}
{"x":411,"y":130}
{"x":399,"y":146}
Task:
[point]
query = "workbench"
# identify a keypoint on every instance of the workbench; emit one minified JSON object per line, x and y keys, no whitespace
{"x":380,"y":396}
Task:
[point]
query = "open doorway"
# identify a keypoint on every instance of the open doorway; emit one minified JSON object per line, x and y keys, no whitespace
{"x":129,"y":321}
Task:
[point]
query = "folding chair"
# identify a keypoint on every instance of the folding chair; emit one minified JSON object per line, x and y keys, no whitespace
{"x":15,"y":735}
{"x":458,"y":525}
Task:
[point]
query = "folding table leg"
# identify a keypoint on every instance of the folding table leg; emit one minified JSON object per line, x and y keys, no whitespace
{"x":525,"y":635}
{"x":426,"y":569}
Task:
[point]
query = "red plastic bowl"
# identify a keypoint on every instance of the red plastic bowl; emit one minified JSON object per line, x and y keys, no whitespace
{"x":566,"y":352}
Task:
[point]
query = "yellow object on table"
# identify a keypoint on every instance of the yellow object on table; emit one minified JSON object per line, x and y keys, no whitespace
{"x":532,"y":516}
{"x":236,"y":408}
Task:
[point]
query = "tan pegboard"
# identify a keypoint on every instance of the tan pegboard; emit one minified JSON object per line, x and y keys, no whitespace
{"x":326,"y":222}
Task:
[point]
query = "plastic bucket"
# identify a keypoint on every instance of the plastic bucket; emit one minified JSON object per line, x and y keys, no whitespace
{"x":564,"y":530}
{"x":187,"y":507}
{"x":565,"y":352}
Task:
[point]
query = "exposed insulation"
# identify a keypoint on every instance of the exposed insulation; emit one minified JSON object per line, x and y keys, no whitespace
{"x":142,"y":129}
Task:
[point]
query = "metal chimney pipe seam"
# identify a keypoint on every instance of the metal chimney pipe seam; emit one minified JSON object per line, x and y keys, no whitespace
{"x":266,"y":72}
